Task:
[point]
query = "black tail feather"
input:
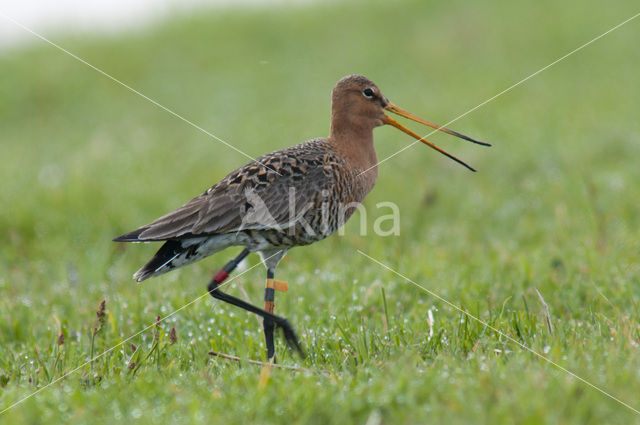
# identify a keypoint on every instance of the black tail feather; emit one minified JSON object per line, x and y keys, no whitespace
{"x":164,"y":255}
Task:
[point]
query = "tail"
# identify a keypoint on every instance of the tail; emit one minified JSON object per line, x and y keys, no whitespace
{"x":162,"y":261}
{"x":176,"y":252}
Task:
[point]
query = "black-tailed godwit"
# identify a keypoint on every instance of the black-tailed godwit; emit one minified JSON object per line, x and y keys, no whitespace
{"x":287,"y":198}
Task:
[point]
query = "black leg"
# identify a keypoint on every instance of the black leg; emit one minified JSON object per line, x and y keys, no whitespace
{"x":278,"y":321}
{"x":269,"y":325}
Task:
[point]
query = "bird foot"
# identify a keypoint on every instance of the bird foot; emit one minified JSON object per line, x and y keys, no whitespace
{"x":290,"y":336}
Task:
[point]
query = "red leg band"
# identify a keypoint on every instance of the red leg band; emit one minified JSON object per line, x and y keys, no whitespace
{"x":221,"y":276}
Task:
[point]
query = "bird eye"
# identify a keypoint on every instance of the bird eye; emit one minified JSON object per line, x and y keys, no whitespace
{"x":368,"y":93}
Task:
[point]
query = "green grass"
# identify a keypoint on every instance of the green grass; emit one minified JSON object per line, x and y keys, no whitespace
{"x":554,"y":206}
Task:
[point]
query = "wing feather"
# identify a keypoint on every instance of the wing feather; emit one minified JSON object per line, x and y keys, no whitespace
{"x":255,"y":196}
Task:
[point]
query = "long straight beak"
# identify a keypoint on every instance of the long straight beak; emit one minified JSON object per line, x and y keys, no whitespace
{"x":397,"y":110}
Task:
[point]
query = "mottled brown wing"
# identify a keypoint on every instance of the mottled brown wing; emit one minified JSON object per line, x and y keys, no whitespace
{"x":255,"y":196}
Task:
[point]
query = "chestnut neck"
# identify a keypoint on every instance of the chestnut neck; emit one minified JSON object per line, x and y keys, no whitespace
{"x":352,"y":136}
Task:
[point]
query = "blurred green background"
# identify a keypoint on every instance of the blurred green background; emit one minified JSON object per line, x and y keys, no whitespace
{"x":554,"y":207}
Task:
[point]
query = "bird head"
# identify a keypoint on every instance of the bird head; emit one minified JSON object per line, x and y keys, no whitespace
{"x":357,"y":101}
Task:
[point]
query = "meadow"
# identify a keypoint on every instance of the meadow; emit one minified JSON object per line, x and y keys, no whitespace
{"x":552,"y":214}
